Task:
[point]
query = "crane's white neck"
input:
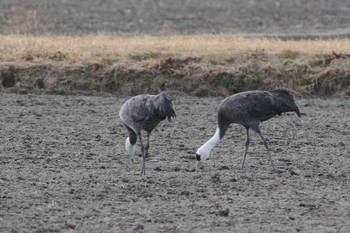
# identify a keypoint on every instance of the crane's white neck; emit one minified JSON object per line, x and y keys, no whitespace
{"x":130,"y":148}
{"x":204,"y":151}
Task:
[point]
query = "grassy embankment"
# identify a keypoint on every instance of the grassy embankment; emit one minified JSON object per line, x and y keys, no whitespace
{"x":199,"y":65}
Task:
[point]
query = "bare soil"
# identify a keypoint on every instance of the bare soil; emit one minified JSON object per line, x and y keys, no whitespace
{"x":64,"y":168}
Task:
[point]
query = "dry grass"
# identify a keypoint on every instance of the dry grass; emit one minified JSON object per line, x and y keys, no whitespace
{"x":101,"y":48}
{"x":200,"y":65}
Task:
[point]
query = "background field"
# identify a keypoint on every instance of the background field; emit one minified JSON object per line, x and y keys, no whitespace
{"x":66,"y":67}
{"x":291,"y":18}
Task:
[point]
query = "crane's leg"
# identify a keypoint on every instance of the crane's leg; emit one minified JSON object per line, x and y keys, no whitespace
{"x":147,"y":144}
{"x":246,"y":147}
{"x":267,"y":148}
{"x":143,"y":170}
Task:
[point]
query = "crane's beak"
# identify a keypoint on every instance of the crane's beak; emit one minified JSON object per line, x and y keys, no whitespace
{"x":198,"y":162}
{"x":297,"y":112}
{"x":198,"y":165}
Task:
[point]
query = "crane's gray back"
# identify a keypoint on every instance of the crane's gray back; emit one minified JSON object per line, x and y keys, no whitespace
{"x":245,"y":107}
{"x":252,"y":107}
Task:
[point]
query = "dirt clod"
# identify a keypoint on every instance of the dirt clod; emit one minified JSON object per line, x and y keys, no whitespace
{"x":225,"y":212}
{"x":139,"y":228}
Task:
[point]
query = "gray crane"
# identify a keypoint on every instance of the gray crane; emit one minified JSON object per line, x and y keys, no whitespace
{"x":249,"y":109}
{"x":144,"y":112}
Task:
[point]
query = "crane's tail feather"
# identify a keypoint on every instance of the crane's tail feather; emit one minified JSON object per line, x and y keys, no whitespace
{"x":164,"y":107}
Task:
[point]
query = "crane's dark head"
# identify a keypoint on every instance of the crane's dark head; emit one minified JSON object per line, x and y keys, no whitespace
{"x":285,"y":101}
